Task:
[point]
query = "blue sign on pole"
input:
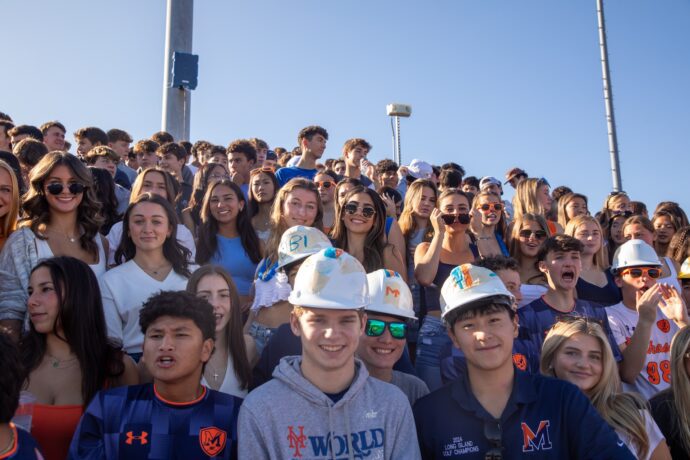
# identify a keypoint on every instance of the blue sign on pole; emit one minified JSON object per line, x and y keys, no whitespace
{"x":185,"y":70}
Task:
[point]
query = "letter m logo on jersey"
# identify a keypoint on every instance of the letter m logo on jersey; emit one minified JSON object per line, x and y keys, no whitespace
{"x":212,"y":440}
{"x":538,"y":440}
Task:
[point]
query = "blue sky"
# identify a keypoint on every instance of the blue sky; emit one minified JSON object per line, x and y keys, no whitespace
{"x":492,"y":84}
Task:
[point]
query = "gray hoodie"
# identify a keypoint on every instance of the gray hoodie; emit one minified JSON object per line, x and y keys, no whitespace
{"x":289,"y":418}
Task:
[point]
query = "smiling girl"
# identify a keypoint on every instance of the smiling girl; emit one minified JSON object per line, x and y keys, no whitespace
{"x":488,"y":225}
{"x":9,"y":202}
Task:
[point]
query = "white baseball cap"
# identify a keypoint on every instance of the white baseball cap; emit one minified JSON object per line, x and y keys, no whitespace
{"x":389,"y":294}
{"x":299,"y":242}
{"x":420,"y":169}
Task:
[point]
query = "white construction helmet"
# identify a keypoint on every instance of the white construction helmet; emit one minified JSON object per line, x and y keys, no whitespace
{"x":684,"y":272}
{"x":467,"y":284}
{"x":333,"y":279}
{"x":299,"y":242}
{"x":389,"y":294}
{"x":634,"y":253}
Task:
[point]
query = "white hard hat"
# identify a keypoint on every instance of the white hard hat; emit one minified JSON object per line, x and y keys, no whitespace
{"x":389,"y":294}
{"x":634,"y":253}
{"x":333,"y":279}
{"x":299,"y":242}
{"x":684,"y":272}
{"x":468,"y":284}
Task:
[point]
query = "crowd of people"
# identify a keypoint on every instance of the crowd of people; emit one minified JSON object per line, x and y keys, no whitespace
{"x":163,"y":299}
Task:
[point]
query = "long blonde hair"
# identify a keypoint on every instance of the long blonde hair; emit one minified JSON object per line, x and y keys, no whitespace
{"x":680,"y":383}
{"x":514,"y":237}
{"x":620,"y":410}
{"x":525,"y":200}
{"x":601,"y":258}
{"x":9,"y":221}
{"x":408,"y":225}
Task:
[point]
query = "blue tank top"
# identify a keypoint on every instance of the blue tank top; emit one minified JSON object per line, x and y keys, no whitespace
{"x":605,"y":296}
{"x":231,"y":256}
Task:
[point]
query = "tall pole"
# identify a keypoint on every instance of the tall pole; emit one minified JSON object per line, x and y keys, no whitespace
{"x":398,"y":154}
{"x":178,"y":37}
{"x":608,"y":100}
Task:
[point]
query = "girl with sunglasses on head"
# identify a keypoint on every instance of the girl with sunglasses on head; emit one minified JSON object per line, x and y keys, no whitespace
{"x":528,"y":233}
{"x":360,"y":231}
{"x":226,"y":235}
{"x":578,"y":351}
{"x":671,"y":408}
{"x":596,"y":282}
{"x":570,"y":206}
{"x":263,"y":188}
{"x":229,"y":368}
{"x":150,"y":259}
{"x":533,"y":196}
{"x":158,"y":182}
{"x":326,"y":184}
{"x":62,"y":220}
{"x":665,"y":226}
{"x":208,"y":173}
{"x":66,"y":351}
{"x":489,"y":225}
{"x":9,"y":202}
{"x":450,"y":246}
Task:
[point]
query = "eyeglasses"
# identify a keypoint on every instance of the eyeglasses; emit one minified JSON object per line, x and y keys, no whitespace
{"x":450,"y":219}
{"x":492,"y":432}
{"x":537,"y":234}
{"x":74,"y":188}
{"x":325,"y":183}
{"x":637,"y":272}
{"x":367,"y":211}
{"x":498,"y":207}
{"x":376,"y":328}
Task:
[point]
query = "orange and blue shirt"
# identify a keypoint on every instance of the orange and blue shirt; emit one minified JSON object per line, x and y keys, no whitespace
{"x":135,"y":422}
{"x":544,"y":418}
{"x":24,"y":447}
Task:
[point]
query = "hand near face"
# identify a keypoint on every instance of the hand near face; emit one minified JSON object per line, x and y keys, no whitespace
{"x":672,"y":305}
{"x":437,"y":222}
{"x":647,"y":303}
{"x":476,"y":221}
{"x":390,"y":206}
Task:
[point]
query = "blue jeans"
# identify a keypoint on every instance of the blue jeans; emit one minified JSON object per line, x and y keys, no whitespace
{"x":262,"y":335}
{"x":431,"y":340}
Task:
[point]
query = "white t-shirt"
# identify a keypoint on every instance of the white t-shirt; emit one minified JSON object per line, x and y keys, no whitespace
{"x":656,"y":373}
{"x":124,"y":290}
{"x":653,"y":432}
{"x":231,"y":384}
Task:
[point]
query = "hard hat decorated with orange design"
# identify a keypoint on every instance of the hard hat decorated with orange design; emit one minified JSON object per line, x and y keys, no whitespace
{"x":468,"y":285}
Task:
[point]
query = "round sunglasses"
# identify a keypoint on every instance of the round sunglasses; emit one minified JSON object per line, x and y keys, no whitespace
{"x":486,"y":207}
{"x":450,"y":219}
{"x":352,"y":208}
{"x":74,"y":188}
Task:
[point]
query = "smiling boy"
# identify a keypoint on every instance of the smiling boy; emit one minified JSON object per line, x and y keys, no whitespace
{"x":175,"y":416}
{"x":323,"y":404}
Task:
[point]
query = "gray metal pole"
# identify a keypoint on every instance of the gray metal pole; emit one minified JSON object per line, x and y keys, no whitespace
{"x":397,"y":141}
{"x":178,"y":37}
{"x":608,"y":101}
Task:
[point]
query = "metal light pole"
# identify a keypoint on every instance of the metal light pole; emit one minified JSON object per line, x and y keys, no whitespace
{"x":396,"y":111}
{"x":178,"y":37}
{"x":608,"y":100}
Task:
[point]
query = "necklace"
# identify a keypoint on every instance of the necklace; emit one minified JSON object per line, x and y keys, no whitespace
{"x":57,"y":361}
{"x":157,"y":270}
{"x":71,"y":239}
{"x":213,"y":371}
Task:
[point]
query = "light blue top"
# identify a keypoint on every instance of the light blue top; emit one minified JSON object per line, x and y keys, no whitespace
{"x":232,"y":257}
{"x":285,"y":174}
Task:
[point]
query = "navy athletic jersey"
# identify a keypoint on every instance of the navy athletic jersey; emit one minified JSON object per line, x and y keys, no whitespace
{"x":25,"y":447}
{"x":135,"y":422}
{"x":544,"y":418}
{"x":537,"y":317}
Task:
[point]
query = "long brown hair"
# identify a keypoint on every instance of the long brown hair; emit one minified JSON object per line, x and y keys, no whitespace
{"x":233,"y":331}
{"x":408,"y":225}
{"x":9,"y":221}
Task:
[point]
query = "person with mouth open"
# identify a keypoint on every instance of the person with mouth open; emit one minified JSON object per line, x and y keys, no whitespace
{"x":323,"y":403}
{"x":559,"y":260}
{"x":645,"y":322}
{"x":175,"y":416}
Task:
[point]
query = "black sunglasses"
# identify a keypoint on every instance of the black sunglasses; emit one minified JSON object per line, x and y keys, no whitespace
{"x":56,"y":188}
{"x":450,"y":219}
{"x":538,"y":234}
{"x":367,"y":211}
{"x":492,"y":432}
{"x":619,"y":213}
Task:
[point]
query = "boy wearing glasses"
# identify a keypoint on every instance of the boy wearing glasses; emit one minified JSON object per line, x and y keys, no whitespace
{"x":323,"y":404}
{"x":559,"y":260}
{"x":645,"y":322}
{"x":494,"y":411}
{"x":383,"y":342}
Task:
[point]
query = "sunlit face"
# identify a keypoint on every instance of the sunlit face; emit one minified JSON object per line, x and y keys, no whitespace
{"x":455,"y":205}
{"x":529,"y":245}
{"x":329,"y":337}
{"x":106,"y":163}
{"x":358,"y":222}
{"x":54,"y":138}
{"x":261,"y":155}
{"x":326,"y":187}
{"x":426,"y":203}
{"x":620,"y":204}
{"x":388,"y":179}
{"x":215,"y":290}
{"x":562,"y":269}
{"x":300,"y":208}
{"x":43,"y":303}
{"x":5,"y":192}
{"x":511,"y":280}
{"x":491,"y":216}
{"x":579,"y":360}
{"x":66,"y":202}
{"x":544,"y":197}
{"x":576,"y":207}
{"x":381,"y":352}
{"x":154,"y":182}
{"x":316,"y":145}
{"x":83,"y":146}
{"x":147,"y":159}
{"x":664,"y":229}
{"x":149,"y":226}
{"x":632,"y":287}
{"x":588,"y":233}
{"x":262,"y":188}
{"x":224,"y":204}
{"x":239,"y":164}
{"x":638,"y":232}
{"x":354,"y":157}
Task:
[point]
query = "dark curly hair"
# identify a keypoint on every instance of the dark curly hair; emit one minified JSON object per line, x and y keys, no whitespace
{"x":179,"y":304}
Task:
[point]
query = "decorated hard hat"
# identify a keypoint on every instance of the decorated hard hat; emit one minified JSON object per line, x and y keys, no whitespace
{"x":333,"y":279}
{"x":634,"y":253}
{"x":468,"y":284}
{"x":684,"y":273}
{"x":389,"y":294}
{"x":299,"y":242}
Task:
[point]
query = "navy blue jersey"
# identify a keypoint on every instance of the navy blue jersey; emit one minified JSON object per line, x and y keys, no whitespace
{"x":537,"y":317}
{"x":24,"y":448}
{"x":544,"y":418}
{"x":136,"y":423}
